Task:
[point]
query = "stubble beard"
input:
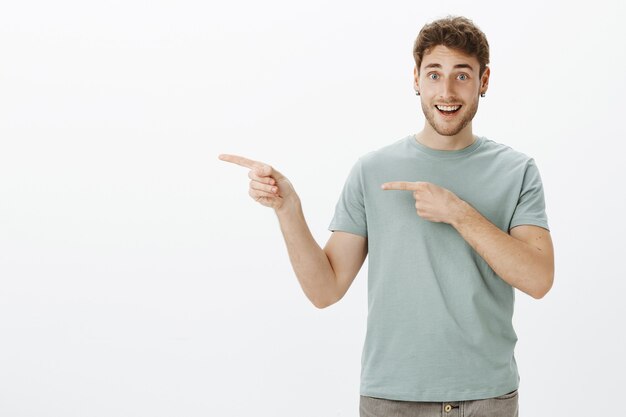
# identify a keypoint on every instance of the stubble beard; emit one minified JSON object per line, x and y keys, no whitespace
{"x":449,"y":128}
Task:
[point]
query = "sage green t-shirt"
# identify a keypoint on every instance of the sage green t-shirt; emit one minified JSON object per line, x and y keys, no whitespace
{"x":439,"y":324}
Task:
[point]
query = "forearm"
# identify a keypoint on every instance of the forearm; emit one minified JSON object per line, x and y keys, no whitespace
{"x":515,"y":261}
{"x":308,"y":259}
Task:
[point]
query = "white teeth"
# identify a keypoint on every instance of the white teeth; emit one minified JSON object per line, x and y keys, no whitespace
{"x":448,"y":108}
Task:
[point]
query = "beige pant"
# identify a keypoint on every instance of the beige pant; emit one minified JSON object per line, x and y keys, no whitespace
{"x":502,"y":406}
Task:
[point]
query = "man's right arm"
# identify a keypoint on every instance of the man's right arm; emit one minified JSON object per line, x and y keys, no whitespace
{"x":324,"y":275}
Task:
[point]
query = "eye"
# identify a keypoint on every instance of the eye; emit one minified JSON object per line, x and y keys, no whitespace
{"x":432,"y":73}
{"x":463,"y":75}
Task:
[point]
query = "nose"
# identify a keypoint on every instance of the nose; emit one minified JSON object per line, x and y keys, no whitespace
{"x":447,"y":88}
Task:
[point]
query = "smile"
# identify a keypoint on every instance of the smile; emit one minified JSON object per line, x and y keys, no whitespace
{"x":448,"y":111}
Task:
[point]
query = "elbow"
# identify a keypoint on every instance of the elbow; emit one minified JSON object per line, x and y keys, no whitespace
{"x":318,"y":302}
{"x":322,"y":304}
{"x":324,"y":300}
{"x":538,"y":296}
{"x":545,"y":279}
{"x":544,"y":289}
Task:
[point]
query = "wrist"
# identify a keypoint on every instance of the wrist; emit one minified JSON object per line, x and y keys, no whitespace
{"x":461,"y":210}
{"x":290,"y":205}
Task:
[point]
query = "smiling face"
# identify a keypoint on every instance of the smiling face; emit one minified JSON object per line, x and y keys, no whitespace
{"x":448,"y":77}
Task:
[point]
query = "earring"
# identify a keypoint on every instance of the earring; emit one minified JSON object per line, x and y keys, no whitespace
{"x":417,"y":93}
{"x":482,"y":94}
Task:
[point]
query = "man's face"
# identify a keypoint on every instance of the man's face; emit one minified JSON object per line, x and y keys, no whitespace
{"x":449,"y":77}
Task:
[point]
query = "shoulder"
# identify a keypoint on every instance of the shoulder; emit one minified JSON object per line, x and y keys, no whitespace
{"x":504,"y":155}
{"x":385,"y":154}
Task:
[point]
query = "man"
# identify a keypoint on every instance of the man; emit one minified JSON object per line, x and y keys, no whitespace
{"x":452,"y":223}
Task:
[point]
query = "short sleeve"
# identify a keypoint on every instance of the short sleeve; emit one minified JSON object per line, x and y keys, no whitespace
{"x":350,"y":208}
{"x":531,"y":207}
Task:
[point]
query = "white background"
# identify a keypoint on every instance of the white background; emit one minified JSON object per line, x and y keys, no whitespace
{"x":137,"y":277}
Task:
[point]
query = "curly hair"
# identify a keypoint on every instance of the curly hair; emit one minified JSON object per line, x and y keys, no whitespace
{"x":454,"y":32}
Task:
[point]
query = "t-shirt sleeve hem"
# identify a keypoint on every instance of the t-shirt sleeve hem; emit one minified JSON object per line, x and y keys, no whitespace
{"x":350,"y":229}
{"x":532,"y":222}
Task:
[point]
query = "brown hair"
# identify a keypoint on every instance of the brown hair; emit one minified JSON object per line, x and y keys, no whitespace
{"x":455,"y":32}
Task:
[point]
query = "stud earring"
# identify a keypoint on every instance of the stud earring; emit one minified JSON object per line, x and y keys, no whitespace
{"x":482,"y":94}
{"x":417,"y":93}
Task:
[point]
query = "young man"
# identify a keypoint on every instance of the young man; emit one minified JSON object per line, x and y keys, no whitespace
{"x":452,"y":223}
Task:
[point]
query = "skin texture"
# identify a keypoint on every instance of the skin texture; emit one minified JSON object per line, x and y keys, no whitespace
{"x":312,"y":266}
{"x":268,"y":186}
{"x":448,"y":85}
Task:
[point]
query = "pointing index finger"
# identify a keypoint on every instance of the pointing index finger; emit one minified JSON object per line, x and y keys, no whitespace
{"x":239,"y":160}
{"x":399,"y":185}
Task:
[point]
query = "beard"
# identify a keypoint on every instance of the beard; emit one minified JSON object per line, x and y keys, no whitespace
{"x":453,"y":126}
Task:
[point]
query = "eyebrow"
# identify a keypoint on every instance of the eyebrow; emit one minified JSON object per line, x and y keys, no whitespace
{"x":434,"y":65}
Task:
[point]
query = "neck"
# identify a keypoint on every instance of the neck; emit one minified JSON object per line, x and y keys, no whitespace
{"x":430,"y":138}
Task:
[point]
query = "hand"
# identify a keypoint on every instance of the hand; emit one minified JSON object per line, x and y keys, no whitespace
{"x":267,"y":186}
{"x":432,"y":202}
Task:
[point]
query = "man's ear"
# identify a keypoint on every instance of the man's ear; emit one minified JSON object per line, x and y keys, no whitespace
{"x":484,"y":82}
{"x":415,"y":78}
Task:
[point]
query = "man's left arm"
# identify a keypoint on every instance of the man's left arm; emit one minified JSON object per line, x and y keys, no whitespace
{"x":524,"y":259}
